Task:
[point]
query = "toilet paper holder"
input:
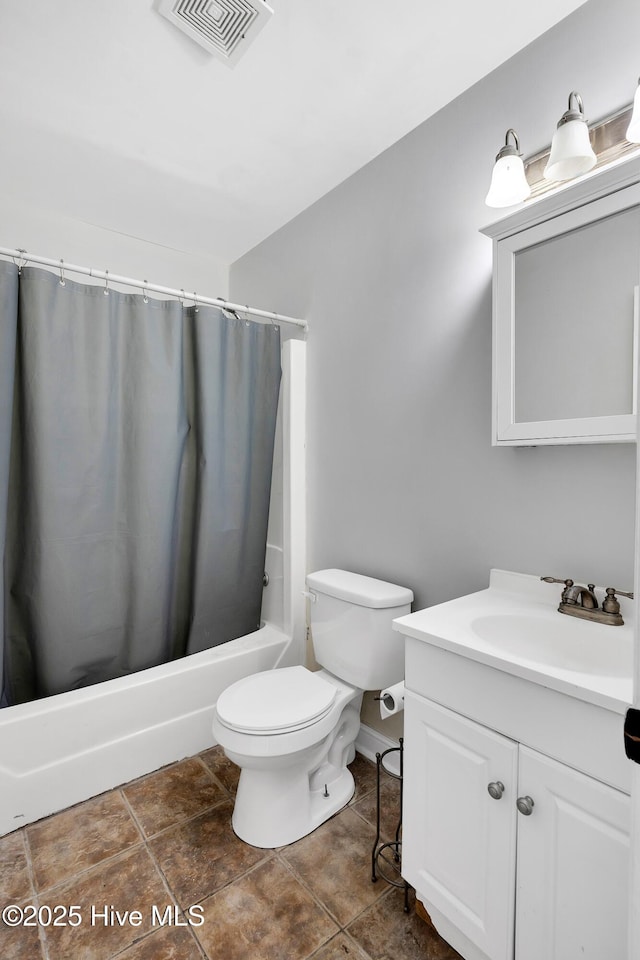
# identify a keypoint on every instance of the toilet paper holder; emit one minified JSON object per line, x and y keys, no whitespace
{"x":389,"y":853}
{"x":388,"y":701}
{"x":391,"y":700}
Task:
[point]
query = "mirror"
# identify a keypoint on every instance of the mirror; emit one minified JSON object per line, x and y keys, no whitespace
{"x":568,"y":370}
{"x":566,"y":320}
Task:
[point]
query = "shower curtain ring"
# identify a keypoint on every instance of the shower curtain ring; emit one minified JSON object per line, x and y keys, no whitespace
{"x":182,"y":295}
{"x":106,"y":283}
{"x":62,"y":280}
{"x":195,"y":302}
{"x":22,"y":261}
{"x":145,"y":292}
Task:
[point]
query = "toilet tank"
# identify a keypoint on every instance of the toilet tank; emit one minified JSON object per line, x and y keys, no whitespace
{"x":351,"y":627}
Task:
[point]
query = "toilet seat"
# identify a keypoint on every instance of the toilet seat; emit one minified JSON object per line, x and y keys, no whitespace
{"x":276,"y":701}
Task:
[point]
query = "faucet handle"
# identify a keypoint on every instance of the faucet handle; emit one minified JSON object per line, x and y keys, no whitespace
{"x":611,"y":592}
{"x":610,"y":603}
{"x":567,"y":583}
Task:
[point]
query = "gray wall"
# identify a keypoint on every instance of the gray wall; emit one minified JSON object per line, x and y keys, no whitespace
{"x":394,"y":278}
{"x":46,"y":233}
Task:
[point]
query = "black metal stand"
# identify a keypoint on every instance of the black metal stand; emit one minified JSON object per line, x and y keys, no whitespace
{"x":389,"y":853}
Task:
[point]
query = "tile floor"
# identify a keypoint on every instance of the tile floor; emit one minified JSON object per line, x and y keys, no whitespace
{"x":163,"y":846}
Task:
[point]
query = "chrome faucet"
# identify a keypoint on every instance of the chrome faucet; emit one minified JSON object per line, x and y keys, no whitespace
{"x":577,"y":601}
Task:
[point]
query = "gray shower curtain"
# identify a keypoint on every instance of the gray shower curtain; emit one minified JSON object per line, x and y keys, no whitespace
{"x":136,"y":447}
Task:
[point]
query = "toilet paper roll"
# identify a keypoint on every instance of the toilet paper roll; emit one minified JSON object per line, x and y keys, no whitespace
{"x":392,"y":700}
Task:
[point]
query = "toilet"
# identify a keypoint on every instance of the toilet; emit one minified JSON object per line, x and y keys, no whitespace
{"x":292,"y":731}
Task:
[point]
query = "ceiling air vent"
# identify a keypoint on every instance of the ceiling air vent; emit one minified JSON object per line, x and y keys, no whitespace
{"x":223,"y":27}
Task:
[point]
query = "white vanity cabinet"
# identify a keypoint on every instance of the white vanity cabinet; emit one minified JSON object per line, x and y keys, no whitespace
{"x":547,"y":883}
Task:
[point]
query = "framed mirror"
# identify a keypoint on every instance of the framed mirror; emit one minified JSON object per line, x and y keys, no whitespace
{"x":565,"y":317}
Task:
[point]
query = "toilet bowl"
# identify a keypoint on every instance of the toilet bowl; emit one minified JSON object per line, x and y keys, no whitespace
{"x":292,"y":731}
{"x":294,"y":764}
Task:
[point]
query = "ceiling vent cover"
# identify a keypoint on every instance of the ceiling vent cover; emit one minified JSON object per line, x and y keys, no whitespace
{"x":223,"y":27}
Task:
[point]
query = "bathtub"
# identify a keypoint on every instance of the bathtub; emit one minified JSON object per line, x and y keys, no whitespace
{"x":64,"y":749}
{"x":60,"y":750}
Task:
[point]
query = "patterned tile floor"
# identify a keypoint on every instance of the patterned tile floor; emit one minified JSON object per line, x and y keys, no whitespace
{"x":163,"y":846}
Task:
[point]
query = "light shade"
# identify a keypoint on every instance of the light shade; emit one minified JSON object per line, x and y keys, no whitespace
{"x":508,"y":181}
{"x":633,"y":131}
{"x":571,"y":151}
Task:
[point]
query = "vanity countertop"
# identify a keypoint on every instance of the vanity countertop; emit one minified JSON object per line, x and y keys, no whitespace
{"x":514,"y":625}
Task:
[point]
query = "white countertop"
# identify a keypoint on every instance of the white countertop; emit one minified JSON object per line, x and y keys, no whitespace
{"x":464,"y":626}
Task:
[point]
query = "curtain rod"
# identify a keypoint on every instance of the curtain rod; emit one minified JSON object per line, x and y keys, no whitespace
{"x":23,"y":258}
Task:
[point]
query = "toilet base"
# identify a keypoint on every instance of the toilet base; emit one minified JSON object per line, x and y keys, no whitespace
{"x":269,"y":814}
{"x":282,"y":799}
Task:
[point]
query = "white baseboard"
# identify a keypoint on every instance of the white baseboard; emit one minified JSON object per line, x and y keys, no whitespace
{"x":370,"y":741}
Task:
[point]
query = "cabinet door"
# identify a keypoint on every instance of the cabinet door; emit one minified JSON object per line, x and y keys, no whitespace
{"x":573,"y":865}
{"x":544,"y":388}
{"x":458,"y":847}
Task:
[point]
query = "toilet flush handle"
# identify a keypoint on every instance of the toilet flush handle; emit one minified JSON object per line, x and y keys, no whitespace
{"x":312,"y":597}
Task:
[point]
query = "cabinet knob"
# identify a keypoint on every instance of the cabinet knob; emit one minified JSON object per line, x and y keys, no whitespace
{"x":525,"y":806}
{"x":496,"y":789}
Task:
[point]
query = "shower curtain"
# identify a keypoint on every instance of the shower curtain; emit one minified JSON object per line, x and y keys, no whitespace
{"x":136,"y":447}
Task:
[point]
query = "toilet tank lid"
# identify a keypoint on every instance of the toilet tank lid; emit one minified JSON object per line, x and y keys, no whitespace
{"x":355,"y":588}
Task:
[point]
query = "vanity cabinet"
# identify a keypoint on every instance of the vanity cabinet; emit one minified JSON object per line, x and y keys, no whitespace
{"x":547,"y":882}
{"x":516,"y":792}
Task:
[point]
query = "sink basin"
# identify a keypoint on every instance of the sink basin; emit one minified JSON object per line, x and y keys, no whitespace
{"x":557,"y":641}
{"x":514,"y":626}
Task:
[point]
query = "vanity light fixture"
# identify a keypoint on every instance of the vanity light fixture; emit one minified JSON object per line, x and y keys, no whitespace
{"x":576,"y":149}
{"x":571,"y":151}
{"x":633,"y":130}
{"x":508,"y":182}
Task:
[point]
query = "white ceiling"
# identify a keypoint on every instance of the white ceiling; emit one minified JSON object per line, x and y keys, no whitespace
{"x":112,"y":116}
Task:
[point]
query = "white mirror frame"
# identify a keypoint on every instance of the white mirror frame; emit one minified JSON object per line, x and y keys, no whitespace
{"x":590,"y":198}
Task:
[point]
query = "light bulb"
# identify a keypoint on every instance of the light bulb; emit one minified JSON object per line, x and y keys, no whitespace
{"x":571,"y":151}
{"x":633,"y":130}
{"x":508,"y":181}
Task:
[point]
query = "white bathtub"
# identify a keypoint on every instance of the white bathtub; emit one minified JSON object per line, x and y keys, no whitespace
{"x":60,"y":750}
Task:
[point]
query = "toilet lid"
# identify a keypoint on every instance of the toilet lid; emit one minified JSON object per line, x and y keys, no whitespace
{"x":275,"y":701}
